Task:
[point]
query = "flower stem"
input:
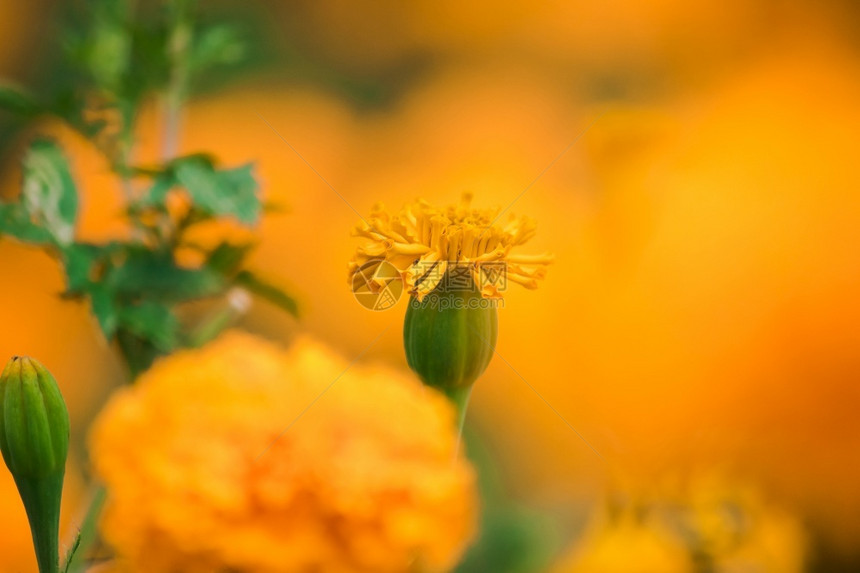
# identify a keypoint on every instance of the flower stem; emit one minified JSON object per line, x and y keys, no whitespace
{"x":43,"y":511}
{"x":174,"y":96}
{"x":460,"y":398}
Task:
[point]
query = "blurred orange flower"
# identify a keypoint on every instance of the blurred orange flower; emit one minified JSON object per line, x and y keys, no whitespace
{"x":705,"y":523}
{"x":222,"y":458}
{"x":627,"y":545}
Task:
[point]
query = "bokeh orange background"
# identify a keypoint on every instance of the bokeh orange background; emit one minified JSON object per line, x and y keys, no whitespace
{"x":692,"y":166}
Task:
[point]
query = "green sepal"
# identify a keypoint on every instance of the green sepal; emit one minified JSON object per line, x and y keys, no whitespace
{"x":450,"y":338}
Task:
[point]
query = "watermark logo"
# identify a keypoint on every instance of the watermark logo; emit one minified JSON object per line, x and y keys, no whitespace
{"x":377,"y":285}
{"x":493,"y":274}
{"x":459,"y":277}
{"x":445,"y":301}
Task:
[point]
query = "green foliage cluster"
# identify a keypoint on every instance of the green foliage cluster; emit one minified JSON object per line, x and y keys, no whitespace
{"x":116,"y":60}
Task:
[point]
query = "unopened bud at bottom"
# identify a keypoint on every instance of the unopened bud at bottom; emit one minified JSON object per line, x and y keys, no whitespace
{"x":34,"y":440}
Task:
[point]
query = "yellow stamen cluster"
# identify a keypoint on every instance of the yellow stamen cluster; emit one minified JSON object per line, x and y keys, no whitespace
{"x":424,"y":242}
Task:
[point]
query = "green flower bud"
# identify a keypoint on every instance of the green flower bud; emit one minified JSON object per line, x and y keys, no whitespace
{"x":450,"y":337}
{"x":34,"y":440}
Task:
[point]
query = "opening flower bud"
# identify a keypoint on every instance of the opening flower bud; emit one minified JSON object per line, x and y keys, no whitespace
{"x":450,"y":337}
{"x":34,"y":440}
{"x":450,"y":333}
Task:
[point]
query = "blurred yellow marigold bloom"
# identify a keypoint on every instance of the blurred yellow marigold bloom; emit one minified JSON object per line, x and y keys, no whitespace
{"x":216,"y":461}
{"x":423,"y":242}
{"x":707,"y":524}
{"x":626,"y":545}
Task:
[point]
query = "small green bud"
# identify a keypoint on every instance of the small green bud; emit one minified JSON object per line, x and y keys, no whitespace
{"x":34,"y":440}
{"x":450,"y":337}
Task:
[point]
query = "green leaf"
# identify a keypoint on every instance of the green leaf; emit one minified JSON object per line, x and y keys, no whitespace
{"x":139,"y":353}
{"x":45,"y":212}
{"x":99,"y":46}
{"x":226,"y":258}
{"x":149,"y":60}
{"x":268,"y":291}
{"x":156,"y":195}
{"x":17,"y":101}
{"x":49,"y":195}
{"x":104,"y":308}
{"x":155,"y":275}
{"x":79,"y":259}
{"x":16,"y":222}
{"x":240,"y":188}
{"x":230,"y":192}
{"x":214,"y":46}
{"x":108,"y":53}
{"x":153,"y":322}
{"x":70,"y":553}
{"x":71,"y":105}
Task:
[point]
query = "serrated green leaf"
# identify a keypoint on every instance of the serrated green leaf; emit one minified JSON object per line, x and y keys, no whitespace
{"x":230,"y":192}
{"x":153,"y":322}
{"x":49,"y":195}
{"x":268,"y":291}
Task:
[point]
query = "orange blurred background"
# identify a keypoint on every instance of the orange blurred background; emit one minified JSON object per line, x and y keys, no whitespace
{"x":693,"y":166}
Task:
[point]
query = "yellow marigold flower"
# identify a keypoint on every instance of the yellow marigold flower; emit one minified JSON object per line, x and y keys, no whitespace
{"x":707,"y":524}
{"x":740,"y":530}
{"x":423,"y":242}
{"x":627,"y":544}
{"x":214,"y":461}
